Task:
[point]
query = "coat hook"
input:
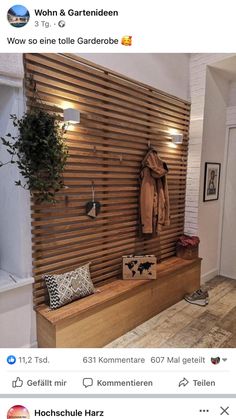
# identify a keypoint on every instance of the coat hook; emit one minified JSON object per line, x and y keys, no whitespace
{"x":149,"y":143}
{"x":121,"y":158}
{"x":94,"y":149}
{"x":66,"y":199}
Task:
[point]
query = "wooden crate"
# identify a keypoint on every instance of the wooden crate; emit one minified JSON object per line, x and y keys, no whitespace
{"x":139,"y":267}
{"x":187,"y":253}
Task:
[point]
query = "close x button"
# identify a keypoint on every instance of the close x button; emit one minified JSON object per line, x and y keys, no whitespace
{"x":224,"y":411}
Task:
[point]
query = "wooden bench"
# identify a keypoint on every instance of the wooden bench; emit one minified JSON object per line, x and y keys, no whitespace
{"x":117,"y":307}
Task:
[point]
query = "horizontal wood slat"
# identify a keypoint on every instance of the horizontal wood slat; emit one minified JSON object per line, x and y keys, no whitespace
{"x":119,"y":117}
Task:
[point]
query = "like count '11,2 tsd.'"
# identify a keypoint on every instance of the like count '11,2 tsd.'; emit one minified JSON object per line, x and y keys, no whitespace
{"x":33,"y":360}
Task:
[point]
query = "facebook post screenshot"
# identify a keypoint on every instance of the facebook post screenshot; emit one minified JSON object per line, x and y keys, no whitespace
{"x":117,"y":209}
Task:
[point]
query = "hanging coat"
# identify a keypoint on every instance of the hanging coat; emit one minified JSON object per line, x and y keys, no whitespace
{"x":154,"y":196}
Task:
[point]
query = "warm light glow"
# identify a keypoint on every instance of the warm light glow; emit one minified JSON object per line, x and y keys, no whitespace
{"x":72,"y":122}
{"x":173,"y":131}
{"x":172,"y":145}
{"x":65,"y":105}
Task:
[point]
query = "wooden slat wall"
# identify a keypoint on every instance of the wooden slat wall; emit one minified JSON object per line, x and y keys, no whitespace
{"x":119,"y":116}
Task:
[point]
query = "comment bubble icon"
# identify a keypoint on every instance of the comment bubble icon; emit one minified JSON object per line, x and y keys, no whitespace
{"x":87,"y":382}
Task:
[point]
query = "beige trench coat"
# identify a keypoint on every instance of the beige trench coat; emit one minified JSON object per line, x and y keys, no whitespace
{"x":154,"y":196}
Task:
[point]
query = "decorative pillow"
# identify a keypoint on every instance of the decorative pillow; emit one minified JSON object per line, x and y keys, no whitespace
{"x":65,"y":288}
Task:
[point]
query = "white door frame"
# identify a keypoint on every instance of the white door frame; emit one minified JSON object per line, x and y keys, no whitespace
{"x":223,"y":185}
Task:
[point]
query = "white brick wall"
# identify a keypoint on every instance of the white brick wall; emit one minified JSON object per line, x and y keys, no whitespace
{"x":198,"y":68}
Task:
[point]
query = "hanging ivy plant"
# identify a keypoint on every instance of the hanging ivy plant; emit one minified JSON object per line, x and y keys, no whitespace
{"x":39,"y":151}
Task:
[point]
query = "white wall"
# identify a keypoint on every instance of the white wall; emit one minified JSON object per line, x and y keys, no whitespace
{"x":228,"y":246}
{"x":167,"y":72}
{"x":11,"y":69}
{"x":232,"y":94}
{"x":17,"y":318}
{"x":15,"y":237}
{"x":204,"y":147}
{"x":213,"y":150}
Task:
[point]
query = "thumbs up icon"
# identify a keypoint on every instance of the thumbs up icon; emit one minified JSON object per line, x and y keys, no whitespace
{"x":17,"y":383}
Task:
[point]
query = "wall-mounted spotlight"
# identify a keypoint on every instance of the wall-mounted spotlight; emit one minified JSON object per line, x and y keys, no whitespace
{"x":177,"y":138}
{"x":71,"y":116}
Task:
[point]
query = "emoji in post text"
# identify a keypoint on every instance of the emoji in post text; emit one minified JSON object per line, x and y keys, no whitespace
{"x":126,"y":40}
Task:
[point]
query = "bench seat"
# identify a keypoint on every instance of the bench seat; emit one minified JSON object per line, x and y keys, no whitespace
{"x":116,"y":307}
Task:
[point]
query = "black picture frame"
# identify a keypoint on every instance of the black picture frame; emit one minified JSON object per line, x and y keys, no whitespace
{"x":211,"y":181}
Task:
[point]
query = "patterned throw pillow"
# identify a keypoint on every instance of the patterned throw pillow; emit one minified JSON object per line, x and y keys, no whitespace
{"x":65,"y":288}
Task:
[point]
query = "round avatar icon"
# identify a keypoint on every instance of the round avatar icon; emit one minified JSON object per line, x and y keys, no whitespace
{"x":18,"y":16}
{"x":18,"y":411}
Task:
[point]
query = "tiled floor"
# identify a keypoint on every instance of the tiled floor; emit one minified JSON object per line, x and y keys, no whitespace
{"x":185,"y":325}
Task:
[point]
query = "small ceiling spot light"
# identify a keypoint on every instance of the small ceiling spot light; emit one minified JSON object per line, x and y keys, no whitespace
{"x":177,"y":138}
{"x":71,"y":116}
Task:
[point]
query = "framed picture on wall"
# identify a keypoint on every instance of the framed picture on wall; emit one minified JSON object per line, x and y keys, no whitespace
{"x":211,"y":181}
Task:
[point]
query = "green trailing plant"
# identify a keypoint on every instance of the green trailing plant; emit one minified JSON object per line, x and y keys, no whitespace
{"x":39,"y":151}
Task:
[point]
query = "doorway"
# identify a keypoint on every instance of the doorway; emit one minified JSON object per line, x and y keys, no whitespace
{"x":228,"y":246}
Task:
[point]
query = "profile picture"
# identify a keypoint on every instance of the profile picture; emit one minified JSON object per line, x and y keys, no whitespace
{"x":18,"y":16}
{"x":18,"y":411}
